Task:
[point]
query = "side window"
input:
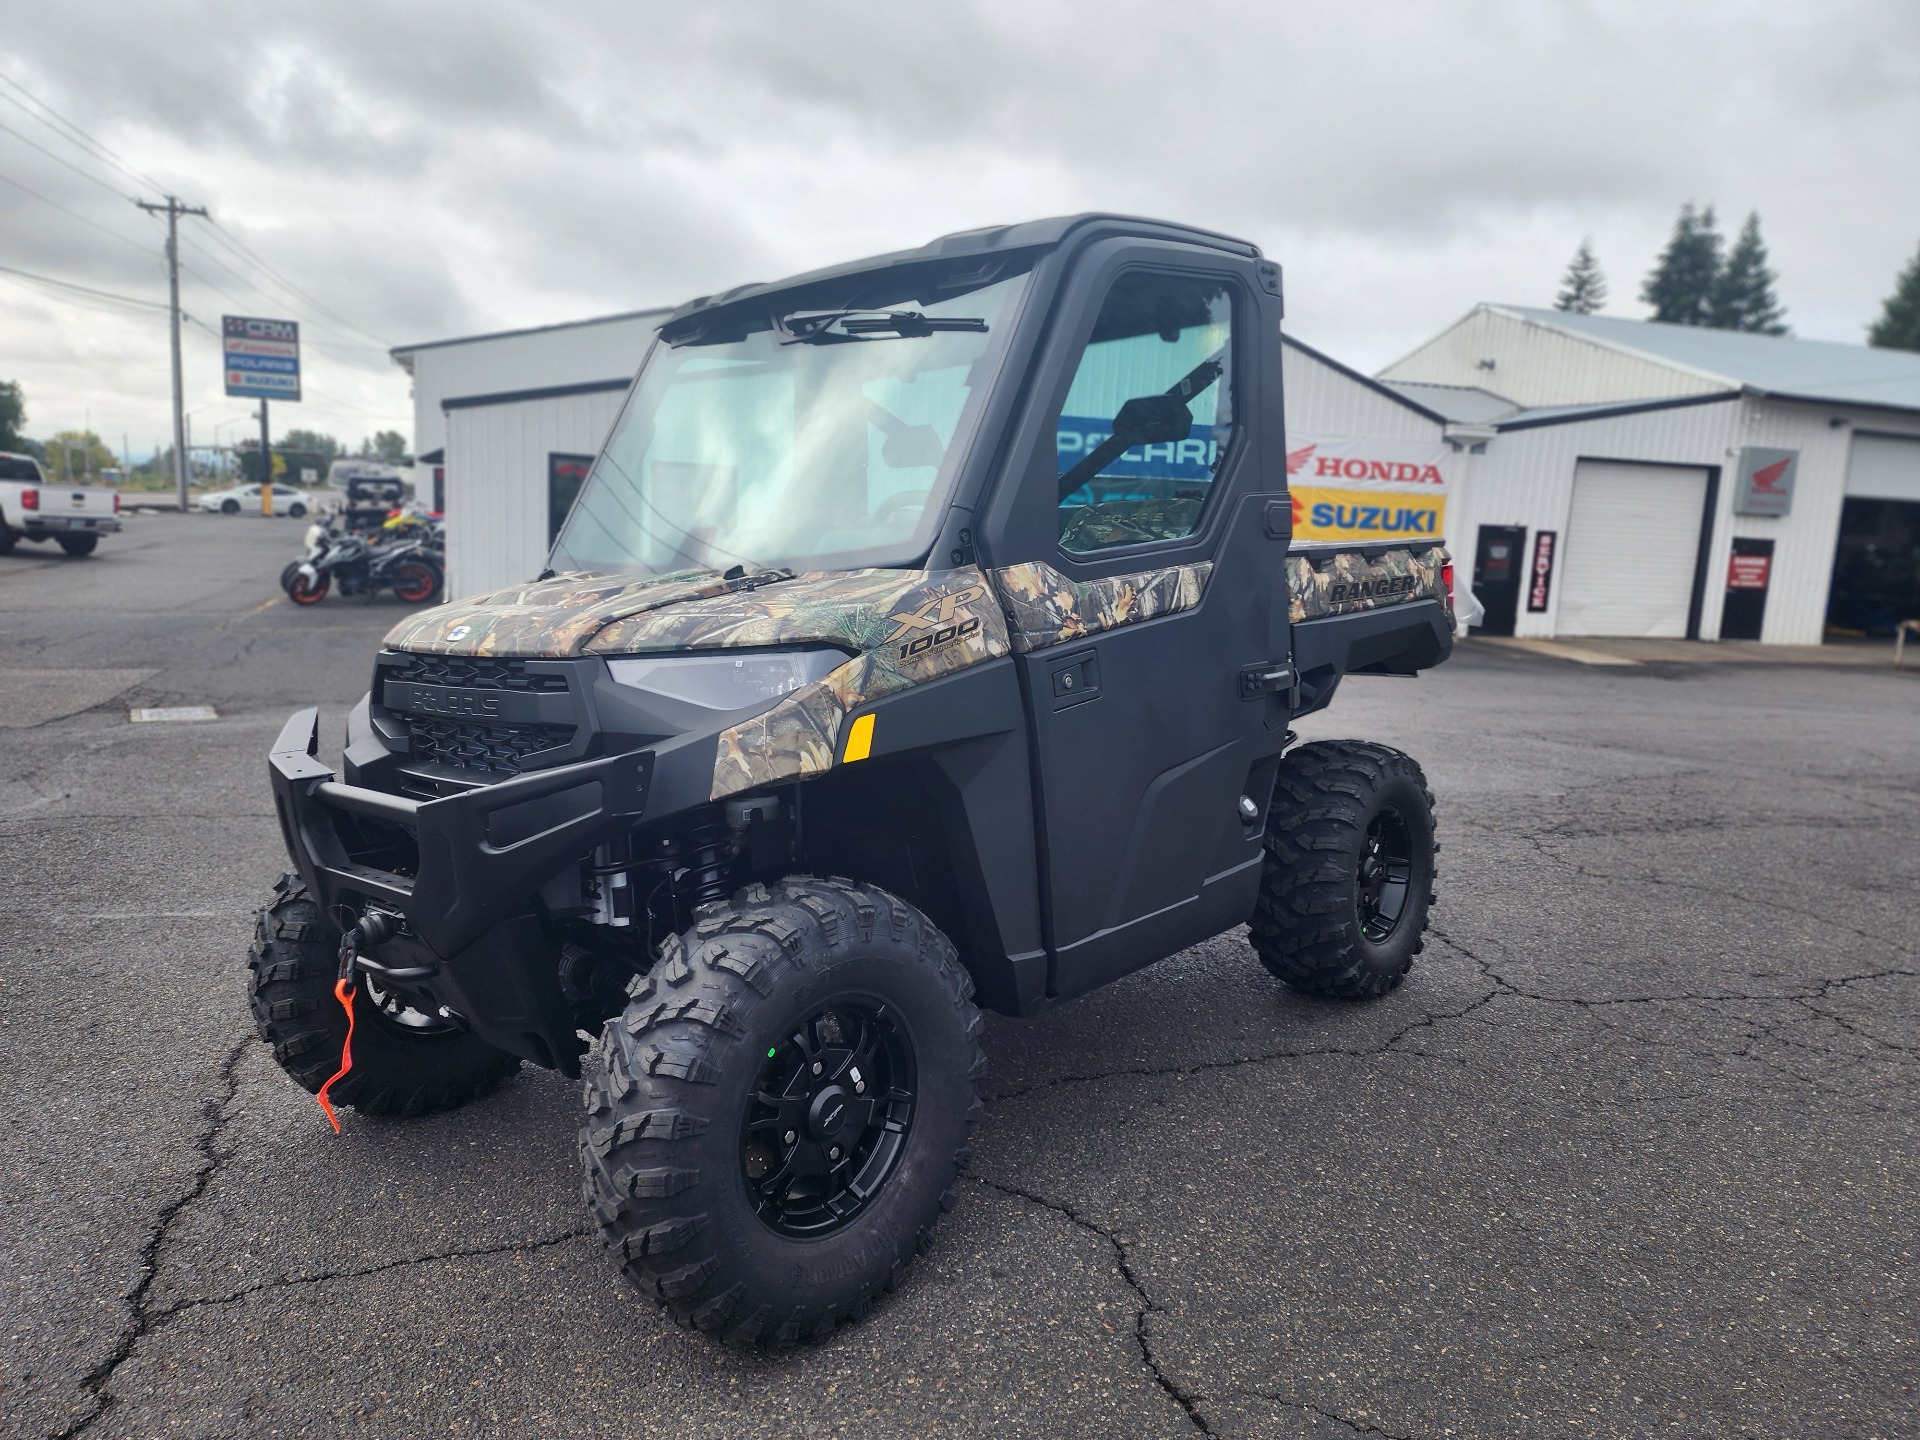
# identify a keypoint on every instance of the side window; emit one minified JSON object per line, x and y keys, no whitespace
{"x":1147,"y":423}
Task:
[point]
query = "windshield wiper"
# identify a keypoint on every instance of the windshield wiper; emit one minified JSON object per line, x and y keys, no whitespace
{"x":832,"y":327}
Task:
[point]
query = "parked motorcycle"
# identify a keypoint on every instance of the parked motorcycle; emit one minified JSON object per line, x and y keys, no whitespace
{"x":414,"y":569}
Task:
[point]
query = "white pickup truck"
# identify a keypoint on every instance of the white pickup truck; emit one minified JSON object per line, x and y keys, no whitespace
{"x":74,"y":515}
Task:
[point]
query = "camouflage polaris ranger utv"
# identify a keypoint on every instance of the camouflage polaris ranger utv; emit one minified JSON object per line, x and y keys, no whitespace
{"x":926,"y":635}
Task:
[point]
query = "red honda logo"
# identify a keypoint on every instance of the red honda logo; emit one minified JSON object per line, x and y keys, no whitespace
{"x":1767,"y":477}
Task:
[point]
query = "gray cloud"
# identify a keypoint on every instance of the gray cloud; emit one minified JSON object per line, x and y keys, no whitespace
{"x":436,"y":168}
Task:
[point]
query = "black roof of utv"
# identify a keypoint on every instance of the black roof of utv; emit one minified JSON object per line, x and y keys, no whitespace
{"x":992,"y":241}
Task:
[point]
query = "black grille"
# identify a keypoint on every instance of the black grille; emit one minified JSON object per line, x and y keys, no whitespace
{"x":494,"y":749}
{"x":491,"y":747}
{"x":477,"y":673}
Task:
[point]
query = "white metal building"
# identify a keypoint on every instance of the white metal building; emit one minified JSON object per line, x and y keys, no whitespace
{"x":510,"y":420}
{"x":1621,"y":477}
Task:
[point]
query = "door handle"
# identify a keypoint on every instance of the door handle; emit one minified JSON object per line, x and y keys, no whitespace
{"x":1265,"y":679}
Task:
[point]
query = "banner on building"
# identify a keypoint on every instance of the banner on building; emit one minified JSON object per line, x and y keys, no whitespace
{"x":1355,"y":487}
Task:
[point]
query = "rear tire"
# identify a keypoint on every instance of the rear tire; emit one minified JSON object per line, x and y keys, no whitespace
{"x":416,"y":581}
{"x":1349,"y":870}
{"x":78,"y":545}
{"x":401,"y":1065}
{"x":722,"y":1219}
{"x":9,"y":537}
{"x":296,"y":511}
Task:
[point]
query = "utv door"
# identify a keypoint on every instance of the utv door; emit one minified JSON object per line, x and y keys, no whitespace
{"x":1145,"y":582}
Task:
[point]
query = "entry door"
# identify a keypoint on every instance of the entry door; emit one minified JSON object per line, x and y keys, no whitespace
{"x":1144,"y":743}
{"x":1631,"y":553}
{"x":1497,"y":572}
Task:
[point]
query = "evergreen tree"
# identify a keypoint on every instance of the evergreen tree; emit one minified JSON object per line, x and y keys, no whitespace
{"x":1584,"y":288}
{"x":1898,"y":327}
{"x":13,"y":415}
{"x":1742,"y":297}
{"x":1680,"y":285}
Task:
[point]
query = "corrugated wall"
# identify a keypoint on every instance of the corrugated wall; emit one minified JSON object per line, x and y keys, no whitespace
{"x":1526,"y":478}
{"x":497,"y":482}
{"x":1322,"y":401}
{"x":1535,"y":366}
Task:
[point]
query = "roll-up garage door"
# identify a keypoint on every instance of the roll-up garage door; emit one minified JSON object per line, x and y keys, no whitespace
{"x":1630,"y":551}
{"x":1884,"y":467}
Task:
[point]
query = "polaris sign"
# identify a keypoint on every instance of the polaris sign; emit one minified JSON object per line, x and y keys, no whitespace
{"x":262,"y":357}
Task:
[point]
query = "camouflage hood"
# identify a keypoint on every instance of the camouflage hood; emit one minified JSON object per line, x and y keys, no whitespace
{"x":686,"y":610}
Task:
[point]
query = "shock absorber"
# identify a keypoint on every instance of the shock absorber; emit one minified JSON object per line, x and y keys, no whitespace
{"x":709,"y":849}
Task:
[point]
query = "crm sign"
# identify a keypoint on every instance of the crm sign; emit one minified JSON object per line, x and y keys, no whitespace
{"x":1352,"y":487}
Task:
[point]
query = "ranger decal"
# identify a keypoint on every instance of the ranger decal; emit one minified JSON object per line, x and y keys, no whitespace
{"x":1339,"y":584}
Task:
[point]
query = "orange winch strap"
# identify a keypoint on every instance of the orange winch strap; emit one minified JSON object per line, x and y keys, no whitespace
{"x":343,"y":992}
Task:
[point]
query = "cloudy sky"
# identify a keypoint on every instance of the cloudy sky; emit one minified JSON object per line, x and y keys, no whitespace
{"x":418,"y":170}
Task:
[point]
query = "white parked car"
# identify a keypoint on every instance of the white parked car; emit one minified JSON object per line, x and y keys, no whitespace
{"x":295,"y":504}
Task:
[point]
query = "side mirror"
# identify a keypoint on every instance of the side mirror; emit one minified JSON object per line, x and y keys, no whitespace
{"x":1152,"y":420}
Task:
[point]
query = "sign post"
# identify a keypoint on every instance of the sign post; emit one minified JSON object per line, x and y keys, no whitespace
{"x":262,"y":363}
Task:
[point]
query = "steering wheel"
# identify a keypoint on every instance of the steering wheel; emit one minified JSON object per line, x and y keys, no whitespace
{"x":901,"y":500}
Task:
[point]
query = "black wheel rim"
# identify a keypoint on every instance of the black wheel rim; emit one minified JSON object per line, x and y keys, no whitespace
{"x":1386,"y":875}
{"x":394,"y":1011}
{"x":829,"y":1117}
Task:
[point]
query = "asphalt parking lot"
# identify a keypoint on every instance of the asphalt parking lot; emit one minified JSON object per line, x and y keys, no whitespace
{"x":1633,"y":1152}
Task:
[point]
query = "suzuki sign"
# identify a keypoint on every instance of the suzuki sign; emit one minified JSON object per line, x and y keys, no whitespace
{"x":1352,"y":487}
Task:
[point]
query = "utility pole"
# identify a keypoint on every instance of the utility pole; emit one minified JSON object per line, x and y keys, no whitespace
{"x":173,"y":210}
{"x":266,"y":463}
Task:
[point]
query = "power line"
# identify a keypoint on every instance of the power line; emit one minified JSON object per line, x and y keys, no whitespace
{"x":229,"y":238}
{"x":73,"y":134}
{"x":91,"y":179}
{"x":257,"y":289}
{"x":87,"y":290}
{"x":75,"y":214}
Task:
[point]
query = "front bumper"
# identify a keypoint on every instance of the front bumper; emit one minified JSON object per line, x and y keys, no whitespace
{"x":471,"y":926}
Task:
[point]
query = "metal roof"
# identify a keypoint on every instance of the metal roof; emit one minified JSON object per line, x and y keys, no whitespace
{"x":1466,"y":404}
{"x":399,"y":352}
{"x":1819,"y":370}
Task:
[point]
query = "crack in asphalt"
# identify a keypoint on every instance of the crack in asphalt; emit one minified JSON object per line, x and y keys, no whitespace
{"x":1188,"y":1403}
{"x":1426,"y":1021}
{"x":285,"y":1282}
{"x":140,"y":1317}
{"x":1359,"y":1427}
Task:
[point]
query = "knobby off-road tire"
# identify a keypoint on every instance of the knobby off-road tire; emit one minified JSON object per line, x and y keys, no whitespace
{"x":401,"y":1066}
{"x":680,"y":1146}
{"x":1349,"y":870}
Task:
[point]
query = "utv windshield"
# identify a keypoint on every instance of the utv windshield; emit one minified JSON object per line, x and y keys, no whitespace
{"x":814,"y":438}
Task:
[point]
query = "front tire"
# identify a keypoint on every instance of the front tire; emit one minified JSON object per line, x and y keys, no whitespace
{"x":775,"y":1122}
{"x":1349,"y":870}
{"x":78,"y":545}
{"x":296,"y":511}
{"x":229,"y":507}
{"x":404,"y":1061}
{"x":303,"y":592}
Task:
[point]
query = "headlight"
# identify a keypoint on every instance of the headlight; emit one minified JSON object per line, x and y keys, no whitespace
{"x":313,"y":536}
{"x":727,"y":682}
